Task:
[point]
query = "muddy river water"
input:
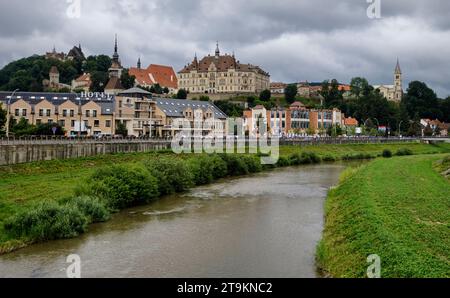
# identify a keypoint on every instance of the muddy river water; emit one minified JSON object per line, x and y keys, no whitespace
{"x":265,"y":225}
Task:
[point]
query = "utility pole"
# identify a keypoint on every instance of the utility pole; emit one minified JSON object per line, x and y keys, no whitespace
{"x":7,"y":112}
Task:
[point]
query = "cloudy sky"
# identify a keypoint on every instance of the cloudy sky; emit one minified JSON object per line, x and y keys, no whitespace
{"x":294,"y":40}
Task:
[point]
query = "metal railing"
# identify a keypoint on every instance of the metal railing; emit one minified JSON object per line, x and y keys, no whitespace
{"x":51,"y":140}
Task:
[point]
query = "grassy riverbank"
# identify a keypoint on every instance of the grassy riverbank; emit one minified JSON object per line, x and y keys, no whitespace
{"x":396,"y":208}
{"x":23,"y":187}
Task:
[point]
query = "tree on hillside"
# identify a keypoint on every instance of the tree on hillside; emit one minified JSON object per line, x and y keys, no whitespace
{"x":100,"y":63}
{"x":358,"y":85}
{"x":229,"y":108}
{"x":265,"y":95}
{"x":126,"y":80}
{"x":182,"y":94}
{"x":290,"y":92}
{"x":99,"y":80}
{"x":445,"y":109}
{"x":421,"y":100}
{"x":331,"y":94}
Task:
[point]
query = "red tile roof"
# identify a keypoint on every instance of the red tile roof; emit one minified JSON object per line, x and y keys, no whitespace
{"x":350,"y":122}
{"x":155,"y":74}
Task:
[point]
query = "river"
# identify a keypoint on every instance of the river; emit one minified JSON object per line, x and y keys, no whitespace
{"x":261,"y":226}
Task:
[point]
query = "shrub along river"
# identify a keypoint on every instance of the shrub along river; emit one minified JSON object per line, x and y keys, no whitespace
{"x":264,"y":225}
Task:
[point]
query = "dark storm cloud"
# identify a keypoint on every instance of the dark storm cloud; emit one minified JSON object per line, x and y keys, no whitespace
{"x":292,"y":39}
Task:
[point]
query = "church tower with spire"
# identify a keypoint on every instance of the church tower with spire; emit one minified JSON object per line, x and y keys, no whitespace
{"x":398,"y":82}
{"x":116,"y":67}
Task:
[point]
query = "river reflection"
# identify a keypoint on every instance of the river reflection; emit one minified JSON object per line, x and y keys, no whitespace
{"x":266,"y":225}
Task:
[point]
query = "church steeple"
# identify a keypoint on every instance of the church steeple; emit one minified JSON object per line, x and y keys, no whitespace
{"x":139,"y":63}
{"x":217,"y":50}
{"x":116,"y":54}
{"x":398,"y":82}
{"x":398,"y":70}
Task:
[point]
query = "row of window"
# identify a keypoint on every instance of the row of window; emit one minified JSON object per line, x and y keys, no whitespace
{"x":326,"y":116}
{"x":72,"y":122}
{"x":47,"y":113}
{"x":202,"y":82}
{"x":299,"y":125}
{"x":221,"y":74}
{"x":300,"y":115}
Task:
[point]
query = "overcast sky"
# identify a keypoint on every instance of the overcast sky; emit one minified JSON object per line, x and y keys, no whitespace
{"x":294,"y":40}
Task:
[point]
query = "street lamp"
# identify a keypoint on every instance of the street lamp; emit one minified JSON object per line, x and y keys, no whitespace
{"x":7,"y":112}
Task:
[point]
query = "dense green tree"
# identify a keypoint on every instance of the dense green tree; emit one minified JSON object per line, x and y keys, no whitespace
{"x":358,"y":85}
{"x":166,"y":90}
{"x":126,"y":80}
{"x":265,"y":95}
{"x":156,"y":88}
{"x":204,"y":98}
{"x":49,"y":129}
{"x":331,"y":94}
{"x":182,"y":94}
{"x":97,"y":63}
{"x":22,"y":128}
{"x":99,"y":80}
{"x":421,"y":100}
{"x":335,"y":130}
{"x":121,"y":129}
{"x":251,"y":101}
{"x":230,"y":108}
{"x":445,"y":109}
{"x":290,"y":92}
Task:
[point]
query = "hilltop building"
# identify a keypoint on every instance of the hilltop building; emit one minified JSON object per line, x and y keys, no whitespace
{"x":222,"y":74}
{"x":74,"y":53}
{"x":83,"y":82}
{"x":277,"y":88}
{"x":53,"y":82}
{"x":393,"y":92}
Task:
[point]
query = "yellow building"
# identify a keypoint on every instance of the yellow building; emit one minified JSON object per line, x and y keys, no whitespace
{"x":76,"y":114}
{"x":222,"y":74}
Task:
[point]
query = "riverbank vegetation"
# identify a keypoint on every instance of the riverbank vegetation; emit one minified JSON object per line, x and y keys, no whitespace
{"x":92,"y":188}
{"x":397,"y":208}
